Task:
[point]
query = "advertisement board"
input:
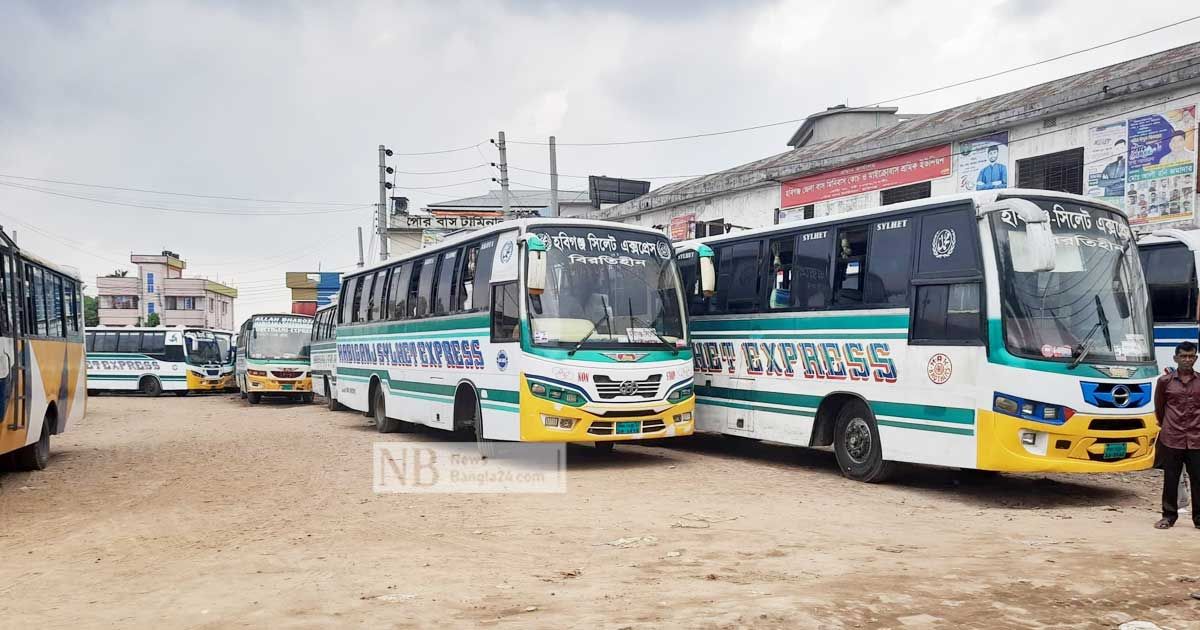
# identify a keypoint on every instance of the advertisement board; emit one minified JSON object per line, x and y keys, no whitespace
{"x":982,"y":163}
{"x":900,"y":170}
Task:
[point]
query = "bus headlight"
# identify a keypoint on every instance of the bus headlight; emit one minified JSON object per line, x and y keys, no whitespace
{"x":1031,"y":409}
{"x":680,"y":395}
{"x":556,"y":394}
{"x":256,"y":372}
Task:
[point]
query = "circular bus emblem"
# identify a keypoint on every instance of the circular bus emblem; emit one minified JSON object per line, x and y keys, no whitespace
{"x":940,"y":368}
{"x":506,"y":252}
{"x":943,"y":243}
{"x":1120,"y":396}
{"x":627,"y":388}
{"x":664,"y":250}
{"x":502,"y":360}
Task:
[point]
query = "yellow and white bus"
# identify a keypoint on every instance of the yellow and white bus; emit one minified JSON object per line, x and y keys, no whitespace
{"x":272,"y":357}
{"x":542,"y":330}
{"x":1002,"y":331}
{"x":43,"y":384}
{"x":210,"y":360}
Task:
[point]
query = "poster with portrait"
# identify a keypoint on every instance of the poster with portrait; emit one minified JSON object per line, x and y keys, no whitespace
{"x":1105,"y":161}
{"x":1160,"y":185}
{"x":982,"y":163}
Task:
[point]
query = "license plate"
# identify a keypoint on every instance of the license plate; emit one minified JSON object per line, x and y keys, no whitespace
{"x":286,"y":387}
{"x":1114,"y":451}
{"x":629,"y":427}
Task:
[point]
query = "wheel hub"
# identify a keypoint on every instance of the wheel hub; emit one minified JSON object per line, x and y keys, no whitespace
{"x":858,"y":440}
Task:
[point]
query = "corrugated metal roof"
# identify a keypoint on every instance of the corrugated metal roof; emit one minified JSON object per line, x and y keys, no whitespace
{"x":1082,"y":91}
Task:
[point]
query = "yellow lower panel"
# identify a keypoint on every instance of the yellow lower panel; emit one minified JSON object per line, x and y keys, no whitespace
{"x":268,"y":384}
{"x":197,"y":383}
{"x":594,"y":427}
{"x":1075,"y":446}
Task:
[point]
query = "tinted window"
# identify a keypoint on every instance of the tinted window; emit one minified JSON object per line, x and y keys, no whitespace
{"x":811,"y":276}
{"x":398,"y":292}
{"x":505,"y":314}
{"x":38,"y":297}
{"x":129,"y":342}
{"x":689,"y":272}
{"x":54,"y":304}
{"x":948,"y":312}
{"x":154,"y":343}
{"x":738,"y":279}
{"x":476,"y":281}
{"x":948,"y":244}
{"x":424,"y":289}
{"x":447,"y":270}
{"x":781,"y":252}
{"x":106,"y":342}
{"x":1171,"y":273}
{"x":376,"y":307}
{"x":889,"y":262}
{"x":90,"y":341}
{"x":362,"y":298}
{"x":849,"y":273}
{"x":346,"y":301}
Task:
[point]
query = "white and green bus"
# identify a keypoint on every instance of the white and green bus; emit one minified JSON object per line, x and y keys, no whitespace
{"x":550,"y":330}
{"x":323,"y":354}
{"x":137,"y":359}
{"x":272,"y":357}
{"x":1002,"y":331}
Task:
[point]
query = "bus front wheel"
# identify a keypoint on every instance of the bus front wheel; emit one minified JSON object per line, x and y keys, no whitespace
{"x":857,"y":446}
{"x":150,"y":386}
{"x":253,"y":398}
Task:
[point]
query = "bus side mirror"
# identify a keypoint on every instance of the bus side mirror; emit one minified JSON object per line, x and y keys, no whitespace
{"x":535,"y":274}
{"x":1039,"y":241}
{"x":1035,"y":251}
{"x":708,"y":271}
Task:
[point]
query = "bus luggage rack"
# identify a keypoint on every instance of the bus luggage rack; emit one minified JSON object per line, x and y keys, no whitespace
{"x":608,"y":428}
{"x":608,"y":388}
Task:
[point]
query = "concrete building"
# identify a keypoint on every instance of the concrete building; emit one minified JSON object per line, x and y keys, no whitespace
{"x":410,"y":231}
{"x":312,"y":289}
{"x":1125,"y":133}
{"x":159,"y":287}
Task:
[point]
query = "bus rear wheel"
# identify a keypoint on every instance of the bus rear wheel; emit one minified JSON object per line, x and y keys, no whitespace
{"x":37,"y":455}
{"x":857,"y":446}
{"x":383,"y":423}
{"x":150,"y":387}
{"x":330,"y":401}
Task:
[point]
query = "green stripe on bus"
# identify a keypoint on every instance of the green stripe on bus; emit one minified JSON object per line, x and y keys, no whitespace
{"x":469,"y":321}
{"x":953,"y":415}
{"x":924,"y":427}
{"x":817,"y":322}
{"x":795,"y":411}
{"x":998,"y":353}
{"x":435,"y":389}
{"x":700,"y":336}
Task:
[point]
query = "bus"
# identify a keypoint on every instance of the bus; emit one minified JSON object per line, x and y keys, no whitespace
{"x":209,"y":360}
{"x":1169,"y":258}
{"x":43,"y":387}
{"x":998,"y":331}
{"x":272,"y":357}
{"x":323,"y":354}
{"x":147,"y":360}
{"x":539,"y":330}
{"x":229,"y":352}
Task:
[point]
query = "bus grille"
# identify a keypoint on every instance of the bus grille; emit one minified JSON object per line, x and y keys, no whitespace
{"x":607,"y":428}
{"x":608,"y":388}
{"x":287,"y":373}
{"x":1117,"y":424}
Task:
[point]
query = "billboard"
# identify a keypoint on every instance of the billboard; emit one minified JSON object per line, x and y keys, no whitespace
{"x":910,"y":168}
{"x":1104,"y":162}
{"x":982,"y":163}
{"x":1161,"y":180}
{"x":681,"y":226}
{"x":612,"y":190}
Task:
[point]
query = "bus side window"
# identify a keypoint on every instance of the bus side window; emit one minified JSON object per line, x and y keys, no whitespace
{"x":376,"y":307}
{"x":1171,"y":276}
{"x":889,"y":262}
{"x":444,"y":286}
{"x":424,"y":293}
{"x":154,"y":344}
{"x":345,"y":302}
{"x":89,"y":341}
{"x":5,"y":311}
{"x":505,"y":313}
{"x":398,"y":291}
{"x":848,"y":273}
{"x":689,"y":273}
{"x":479,"y":284}
{"x":129,"y":342}
{"x":810,"y":279}
{"x":362,"y":298}
{"x":738,"y":279}
{"x":106,"y":342}
{"x":947,"y":313}
{"x":780,"y":261}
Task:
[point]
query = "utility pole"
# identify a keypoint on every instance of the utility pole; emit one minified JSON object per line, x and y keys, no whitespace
{"x":504,"y":175}
{"x":381,"y":222}
{"x":360,"y":250}
{"x":553,"y":180}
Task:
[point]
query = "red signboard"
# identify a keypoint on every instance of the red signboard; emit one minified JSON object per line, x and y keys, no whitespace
{"x":304,"y":308}
{"x":681,"y":226}
{"x":899,"y":170}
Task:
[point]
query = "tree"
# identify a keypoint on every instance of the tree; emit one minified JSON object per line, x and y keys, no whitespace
{"x":152,"y":320}
{"x":118,"y":273}
{"x":91,"y":311}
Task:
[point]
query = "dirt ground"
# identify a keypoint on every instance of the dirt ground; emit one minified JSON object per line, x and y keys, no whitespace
{"x":206,"y":512}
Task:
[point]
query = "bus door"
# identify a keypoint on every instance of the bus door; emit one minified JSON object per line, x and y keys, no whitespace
{"x":740,"y":282}
{"x":13,"y":424}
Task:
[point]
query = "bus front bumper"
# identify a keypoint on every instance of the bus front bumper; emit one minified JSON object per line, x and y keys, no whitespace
{"x":199,"y":383}
{"x":1083,"y":444}
{"x":548,"y":421}
{"x":268,"y":385}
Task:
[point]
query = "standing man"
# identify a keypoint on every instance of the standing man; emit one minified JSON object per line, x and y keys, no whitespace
{"x":1177,"y":405}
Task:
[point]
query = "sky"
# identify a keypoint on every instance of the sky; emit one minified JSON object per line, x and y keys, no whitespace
{"x":272,"y":112}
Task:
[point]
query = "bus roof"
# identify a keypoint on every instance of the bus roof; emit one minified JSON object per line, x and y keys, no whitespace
{"x":1190,"y":238}
{"x":523,"y":225}
{"x":977,"y":198}
{"x":65,"y":270}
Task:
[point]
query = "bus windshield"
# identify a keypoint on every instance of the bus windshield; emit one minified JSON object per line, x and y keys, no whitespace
{"x":279,"y":337}
{"x":1092,"y":307}
{"x":202,"y":348}
{"x":607,"y":288}
{"x":225,"y":344}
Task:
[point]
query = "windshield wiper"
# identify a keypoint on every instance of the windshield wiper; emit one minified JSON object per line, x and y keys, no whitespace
{"x":595,"y":327}
{"x":1085,"y":346}
{"x":669,"y":344}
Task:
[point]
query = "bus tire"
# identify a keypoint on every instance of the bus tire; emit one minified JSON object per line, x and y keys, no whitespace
{"x":857,"y":446}
{"x":241,"y":392}
{"x":37,"y":455}
{"x":306,"y":398}
{"x":150,"y":386}
{"x":487,"y":446}
{"x":383,"y":423}
{"x":330,"y":401}
{"x":253,"y":398}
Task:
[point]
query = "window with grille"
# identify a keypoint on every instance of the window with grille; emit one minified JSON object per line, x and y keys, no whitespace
{"x":911,"y":192}
{"x":1062,"y":171}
